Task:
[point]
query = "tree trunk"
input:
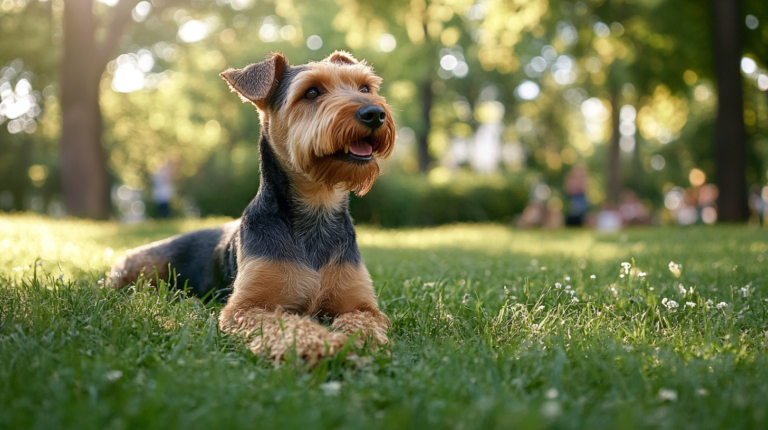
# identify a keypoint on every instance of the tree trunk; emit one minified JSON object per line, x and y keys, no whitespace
{"x":614,"y":162}
{"x":729,"y":135}
{"x":638,"y":176}
{"x":425,"y":91}
{"x":83,"y":164}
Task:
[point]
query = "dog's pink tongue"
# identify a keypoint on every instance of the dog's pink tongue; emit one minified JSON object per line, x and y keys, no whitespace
{"x":361,"y":149}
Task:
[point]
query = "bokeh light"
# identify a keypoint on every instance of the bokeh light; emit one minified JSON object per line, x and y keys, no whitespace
{"x":748,"y":65}
{"x":697,"y":177}
{"x":387,"y":42}
{"x":752,"y":22}
{"x":658,"y":162}
{"x":314,"y":42}
{"x":193,"y":31}
{"x":527,"y":90}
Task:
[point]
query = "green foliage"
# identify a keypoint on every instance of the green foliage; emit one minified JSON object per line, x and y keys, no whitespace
{"x":483,"y":336}
{"x":403,"y":200}
{"x":226,"y":183}
{"x":396,"y":200}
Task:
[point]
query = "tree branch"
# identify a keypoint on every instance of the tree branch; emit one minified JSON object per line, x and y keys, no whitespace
{"x":121,"y":16}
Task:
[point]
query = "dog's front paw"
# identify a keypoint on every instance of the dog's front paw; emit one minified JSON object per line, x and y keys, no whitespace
{"x":368,"y":324}
{"x":288,"y":334}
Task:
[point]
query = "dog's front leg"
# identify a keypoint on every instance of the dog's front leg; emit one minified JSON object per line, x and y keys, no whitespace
{"x":267,"y":295}
{"x":277,"y":333}
{"x":348,"y":294}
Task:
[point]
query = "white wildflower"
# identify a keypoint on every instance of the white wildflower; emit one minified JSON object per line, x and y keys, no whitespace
{"x":621,"y":276}
{"x":551,"y":409}
{"x":671,"y":304}
{"x":683,"y":291}
{"x":540,"y":308}
{"x":745,"y":291}
{"x":567,"y":287}
{"x":567,"y":278}
{"x":668,"y":395}
{"x":571,"y":292}
{"x":675,"y":268}
{"x":558,"y":285}
{"x":651,"y":288}
{"x":551,"y":394}
{"x":331,"y":388}
{"x":506,"y":291}
{"x":709,"y":304}
{"x":626,"y":265}
{"x":664,"y":301}
{"x":593,"y":277}
{"x":690,"y":304}
{"x":113,"y":375}
{"x":574,"y":300}
{"x":722,"y":305}
{"x":642,"y":274}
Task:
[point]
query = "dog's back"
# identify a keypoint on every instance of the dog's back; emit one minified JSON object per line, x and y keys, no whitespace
{"x":201,"y":261}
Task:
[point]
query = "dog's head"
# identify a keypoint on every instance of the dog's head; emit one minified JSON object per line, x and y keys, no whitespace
{"x":325,"y":120}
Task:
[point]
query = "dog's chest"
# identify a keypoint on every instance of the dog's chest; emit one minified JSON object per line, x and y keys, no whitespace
{"x":323,"y":238}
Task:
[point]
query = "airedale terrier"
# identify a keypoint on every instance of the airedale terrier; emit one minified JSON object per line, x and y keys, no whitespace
{"x":293,"y":255}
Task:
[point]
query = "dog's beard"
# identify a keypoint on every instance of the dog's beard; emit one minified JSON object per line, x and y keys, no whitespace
{"x":334,"y":154}
{"x":334,"y":164}
{"x":355,"y":176}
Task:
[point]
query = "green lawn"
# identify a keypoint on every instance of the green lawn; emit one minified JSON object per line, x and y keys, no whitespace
{"x":493,"y":328}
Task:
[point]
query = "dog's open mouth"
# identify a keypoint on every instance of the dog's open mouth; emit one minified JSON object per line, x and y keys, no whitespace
{"x":362,"y":150}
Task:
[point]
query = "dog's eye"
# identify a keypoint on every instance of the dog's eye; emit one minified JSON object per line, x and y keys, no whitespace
{"x":365,"y":89}
{"x":312,"y":93}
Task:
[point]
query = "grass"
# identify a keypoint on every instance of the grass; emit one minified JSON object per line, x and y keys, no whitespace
{"x":468,"y":353}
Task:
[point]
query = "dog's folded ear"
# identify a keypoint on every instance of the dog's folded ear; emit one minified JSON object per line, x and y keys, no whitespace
{"x":254,"y":82}
{"x":341,"y":57}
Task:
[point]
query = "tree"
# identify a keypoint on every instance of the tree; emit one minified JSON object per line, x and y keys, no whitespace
{"x":83,"y":163}
{"x":729,"y":134}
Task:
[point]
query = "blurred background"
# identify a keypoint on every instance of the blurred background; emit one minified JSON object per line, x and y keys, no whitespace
{"x":534,"y":112}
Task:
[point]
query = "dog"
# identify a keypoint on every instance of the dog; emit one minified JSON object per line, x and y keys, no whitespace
{"x":292,"y":258}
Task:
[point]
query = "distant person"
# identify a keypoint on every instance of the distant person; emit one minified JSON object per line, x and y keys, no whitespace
{"x":163,"y":189}
{"x":609,"y":218}
{"x":757,"y":205}
{"x":542,"y":209}
{"x":633,"y":211}
{"x":576,"y":189}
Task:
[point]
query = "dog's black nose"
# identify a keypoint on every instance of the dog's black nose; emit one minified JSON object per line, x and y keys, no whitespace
{"x":372,"y":116}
